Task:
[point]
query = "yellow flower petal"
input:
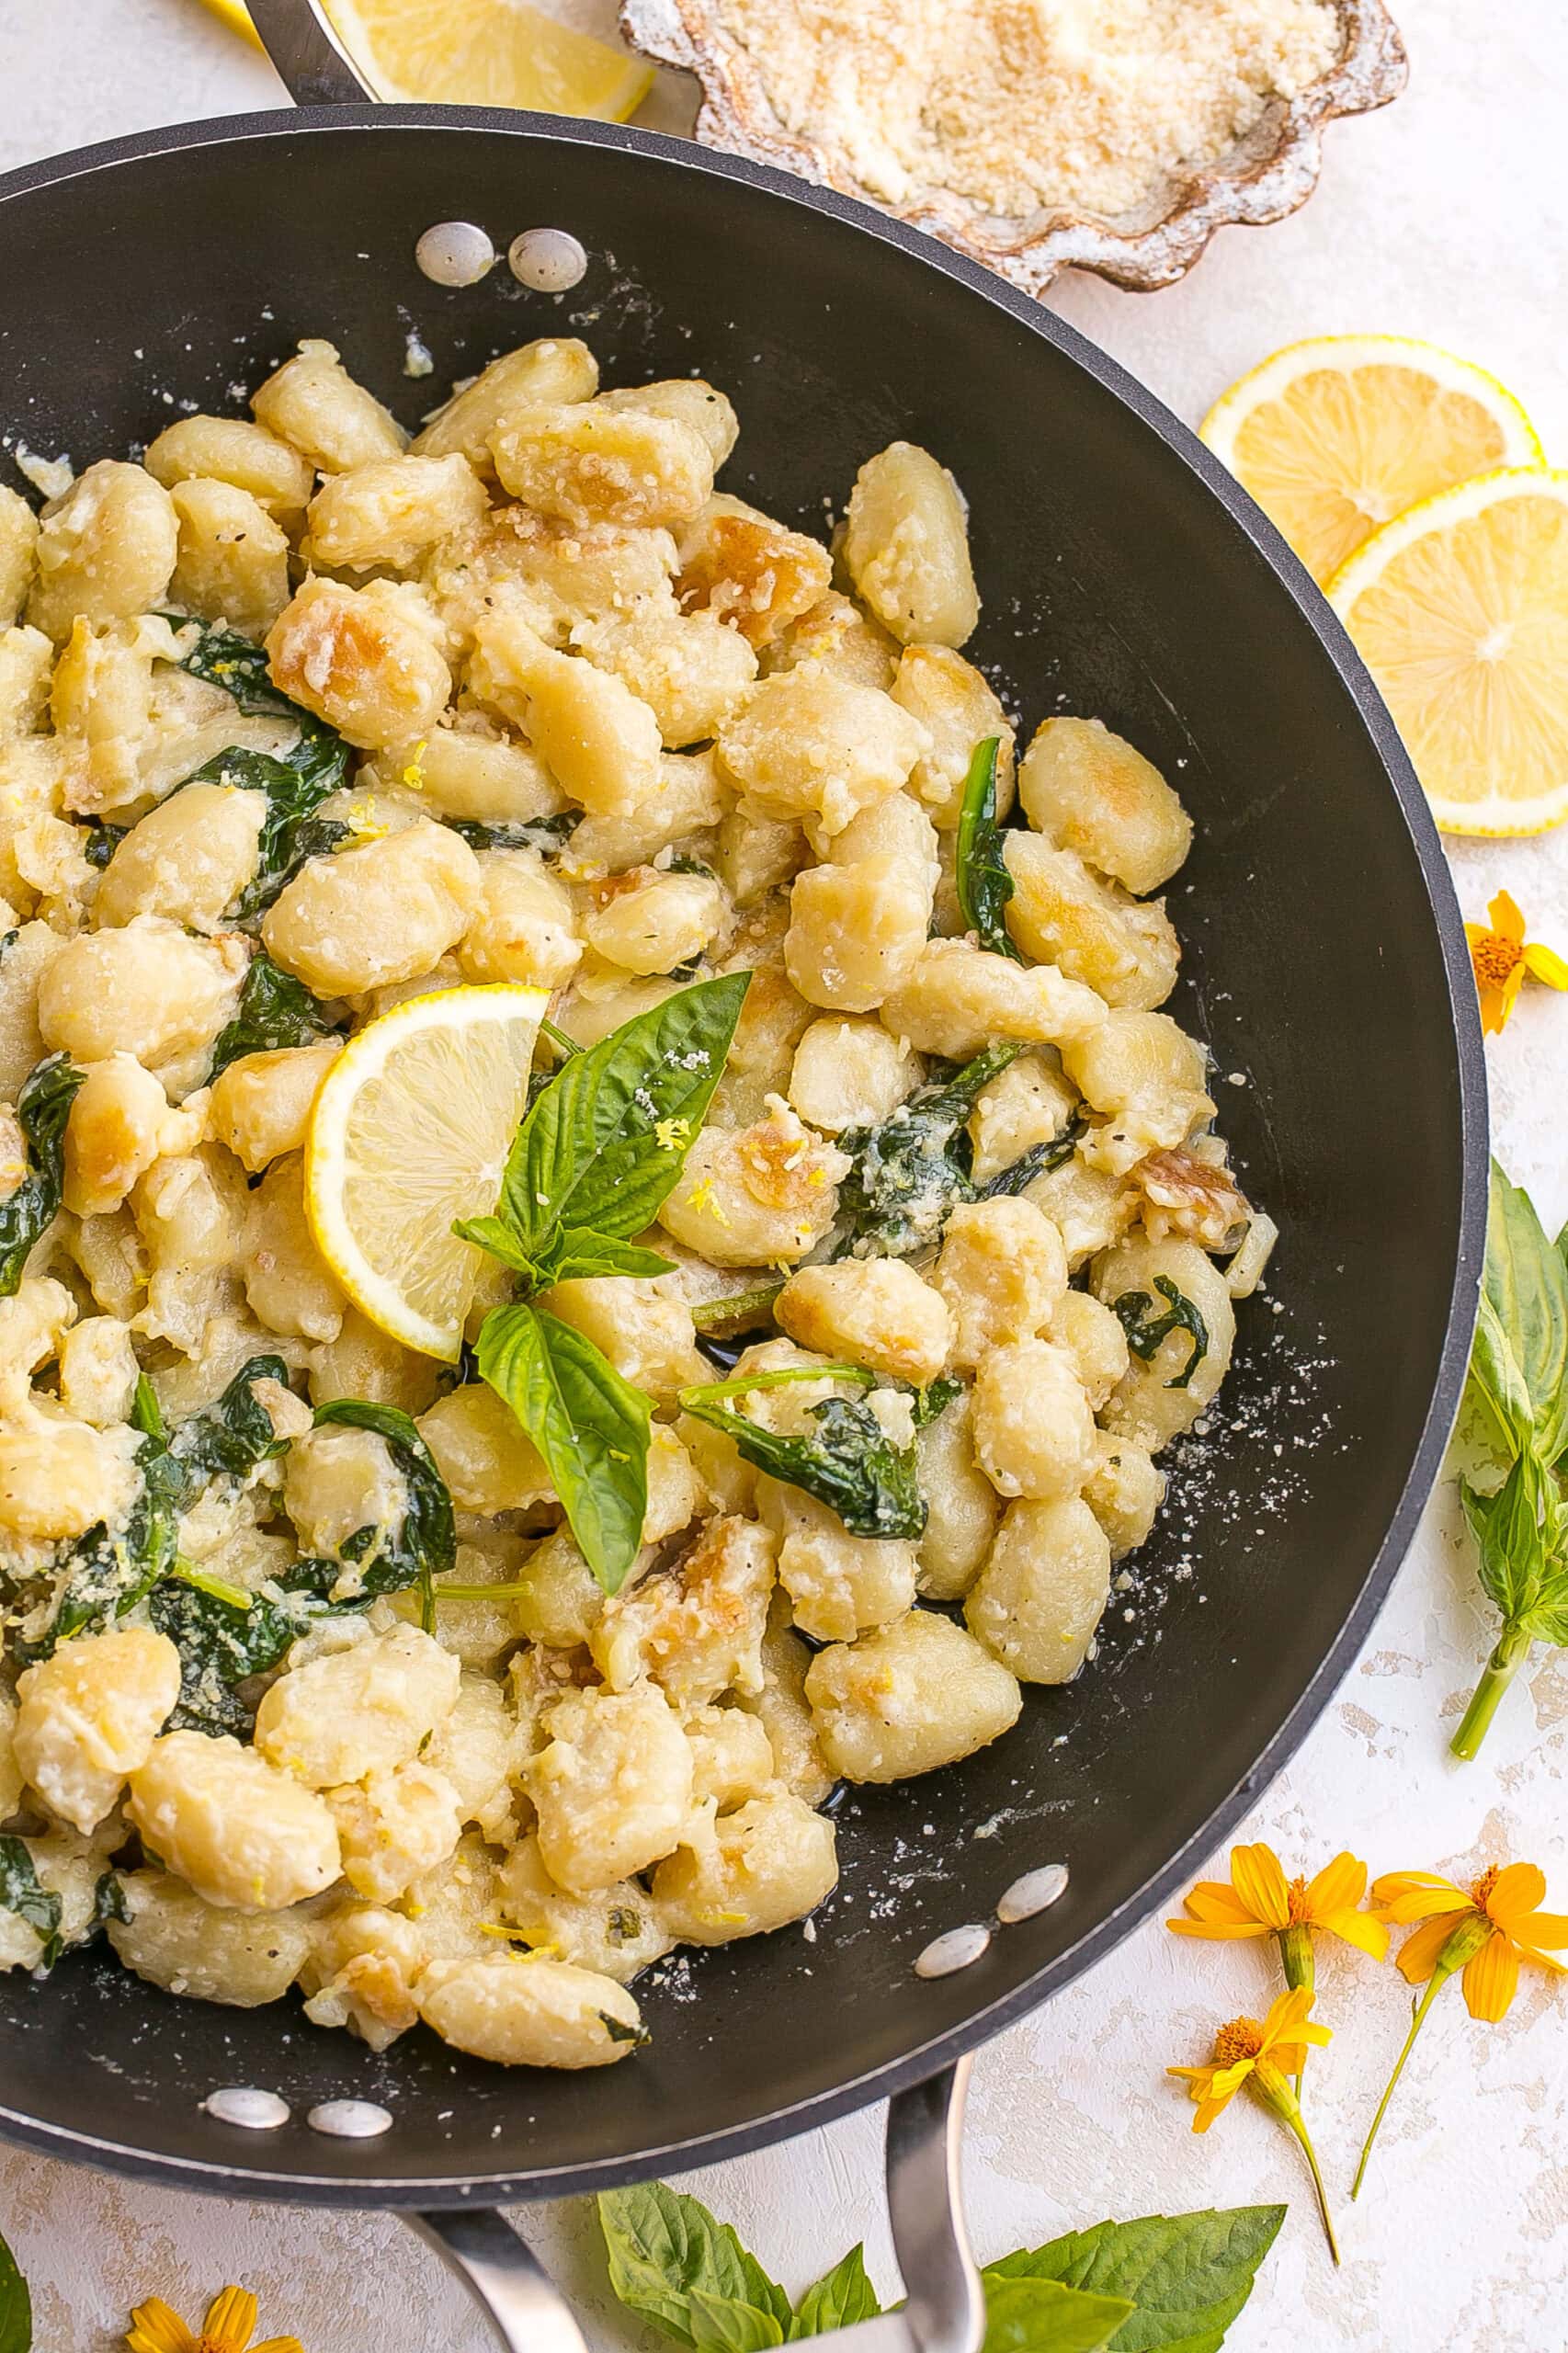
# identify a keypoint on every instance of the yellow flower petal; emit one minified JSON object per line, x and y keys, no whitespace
{"x":1215,"y":1899}
{"x":1418,"y":1953}
{"x":1517,"y":1889}
{"x":230,"y":2317}
{"x":1286,"y":2015}
{"x":1223,"y":1930}
{"x":1403,"y":1896}
{"x":1259,"y":1882}
{"x":1510,"y":991}
{"x":280,"y":2345}
{"x":1545,"y":964}
{"x":1357,"y":1928}
{"x":1490,"y":1980}
{"x":156,"y":2327}
{"x":1338,"y":1887}
{"x":1526,"y":1951}
{"x":1539,"y":1928}
{"x":1506,"y":919}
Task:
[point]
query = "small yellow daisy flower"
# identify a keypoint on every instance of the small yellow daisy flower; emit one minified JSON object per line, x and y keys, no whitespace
{"x":1262,"y":2055}
{"x":1502,"y":958}
{"x":228,"y":2328}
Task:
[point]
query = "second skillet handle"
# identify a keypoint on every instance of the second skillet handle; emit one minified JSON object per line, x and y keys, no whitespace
{"x":946,"y":2308}
{"x":315,"y":68}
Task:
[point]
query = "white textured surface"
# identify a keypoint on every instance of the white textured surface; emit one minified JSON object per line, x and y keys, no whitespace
{"x":1443,"y":218}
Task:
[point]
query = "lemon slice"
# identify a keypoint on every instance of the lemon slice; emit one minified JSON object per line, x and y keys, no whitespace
{"x":1334,"y":437}
{"x":488,"y":53}
{"x":1460,"y":611}
{"x":410,"y":1130}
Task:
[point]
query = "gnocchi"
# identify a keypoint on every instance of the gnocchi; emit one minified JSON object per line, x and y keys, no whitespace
{"x":304,"y":716}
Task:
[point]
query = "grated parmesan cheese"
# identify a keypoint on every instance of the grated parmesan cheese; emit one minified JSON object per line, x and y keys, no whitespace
{"x":1088,"y":105}
{"x":52,"y":476}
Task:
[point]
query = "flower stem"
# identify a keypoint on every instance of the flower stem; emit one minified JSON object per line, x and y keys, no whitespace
{"x":1418,"y":2018}
{"x":1300,"y":2130}
{"x":1513,"y":1649}
{"x":1296,"y":1960}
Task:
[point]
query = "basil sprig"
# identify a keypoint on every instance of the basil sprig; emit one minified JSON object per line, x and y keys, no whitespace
{"x":1146,"y":1326}
{"x":1164,"y":2283}
{"x":1516,"y":1401}
{"x":43,"y":1106}
{"x":980,"y":871}
{"x":592,"y":1164}
{"x":848,"y":1462}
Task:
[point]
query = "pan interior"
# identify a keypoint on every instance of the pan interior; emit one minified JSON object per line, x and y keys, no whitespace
{"x":1116,"y":585}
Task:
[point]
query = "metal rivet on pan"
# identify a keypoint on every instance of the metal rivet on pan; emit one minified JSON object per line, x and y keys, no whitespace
{"x":241,"y":2104}
{"x":455,"y":252}
{"x":549,"y":260}
{"x":349,"y":2119}
{"x":1035,"y":1891}
{"x":958,"y":1949}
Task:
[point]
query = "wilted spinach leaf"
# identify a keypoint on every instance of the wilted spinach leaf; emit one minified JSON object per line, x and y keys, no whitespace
{"x":1146,"y":1326}
{"x":290,"y":832}
{"x":913,"y":1169}
{"x":979,"y":871}
{"x":425,"y":1546}
{"x":235,"y":1432}
{"x":848,"y":1462}
{"x":238,"y":666}
{"x":543,"y":833}
{"x":23,"y":1893}
{"x":220,"y":1642}
{"x":43,"y":1106}
{"x":275,"y":1010}
{"x":101,"y":843}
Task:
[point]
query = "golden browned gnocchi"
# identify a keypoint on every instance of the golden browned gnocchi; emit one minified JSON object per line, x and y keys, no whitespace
{"x":349,"y":1675}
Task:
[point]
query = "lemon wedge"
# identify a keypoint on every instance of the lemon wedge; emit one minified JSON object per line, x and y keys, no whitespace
{"x":487,"y":53}
{"x":411,"y":1130}
{"x":1460,"y":609}
{"x":1336,"y":436}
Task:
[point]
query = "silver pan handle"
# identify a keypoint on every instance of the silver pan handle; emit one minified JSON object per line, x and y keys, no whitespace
{"x":315,"y":68}
{"x":946,"y":2308}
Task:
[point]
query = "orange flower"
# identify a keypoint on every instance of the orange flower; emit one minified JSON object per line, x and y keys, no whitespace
{"x":1260,"y":1902}
{"x":228,"y":2328}
{"x":1263,"y":2055}
{"x":1506,"y":1900}
{"x":1502,"y":956}
{"x":1484,"y":1935}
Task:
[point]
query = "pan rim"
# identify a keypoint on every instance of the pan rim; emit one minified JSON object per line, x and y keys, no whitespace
{"x":915,"y":2066}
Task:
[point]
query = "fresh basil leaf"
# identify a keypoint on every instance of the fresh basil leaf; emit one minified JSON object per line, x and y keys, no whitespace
{"x":606,"y":1140}
{"x":913,"y":1169}
{"x":839,"y":2299}
{"x":579,"y":1253}
{"x":492,"y":1233}
{"x":980,"y":871}
{"x":663,"y":2247}
{"x":848,"y":1462}
{"x":1519,"y":1536}
{"x":1189,"y":2276}
{"x":275,"y":1010}
{"x":1518,"y":1370}
{"x":1146,"y":1326}
{"x":16,"y":2306}
{"x":425,"y":1546}
{"x":723,"y":2325}
{"x":23,"y":1893}
{"x":543,"y":833}
{"x":1027,"y":2315}
{"x":590,"y":1425}
{"x":43,"y":1106}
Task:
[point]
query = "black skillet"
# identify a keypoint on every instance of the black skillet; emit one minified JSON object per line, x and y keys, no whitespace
{"x":1123,"y":575}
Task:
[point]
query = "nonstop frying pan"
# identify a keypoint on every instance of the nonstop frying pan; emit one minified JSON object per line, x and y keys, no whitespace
{"x":1124,"y":575}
